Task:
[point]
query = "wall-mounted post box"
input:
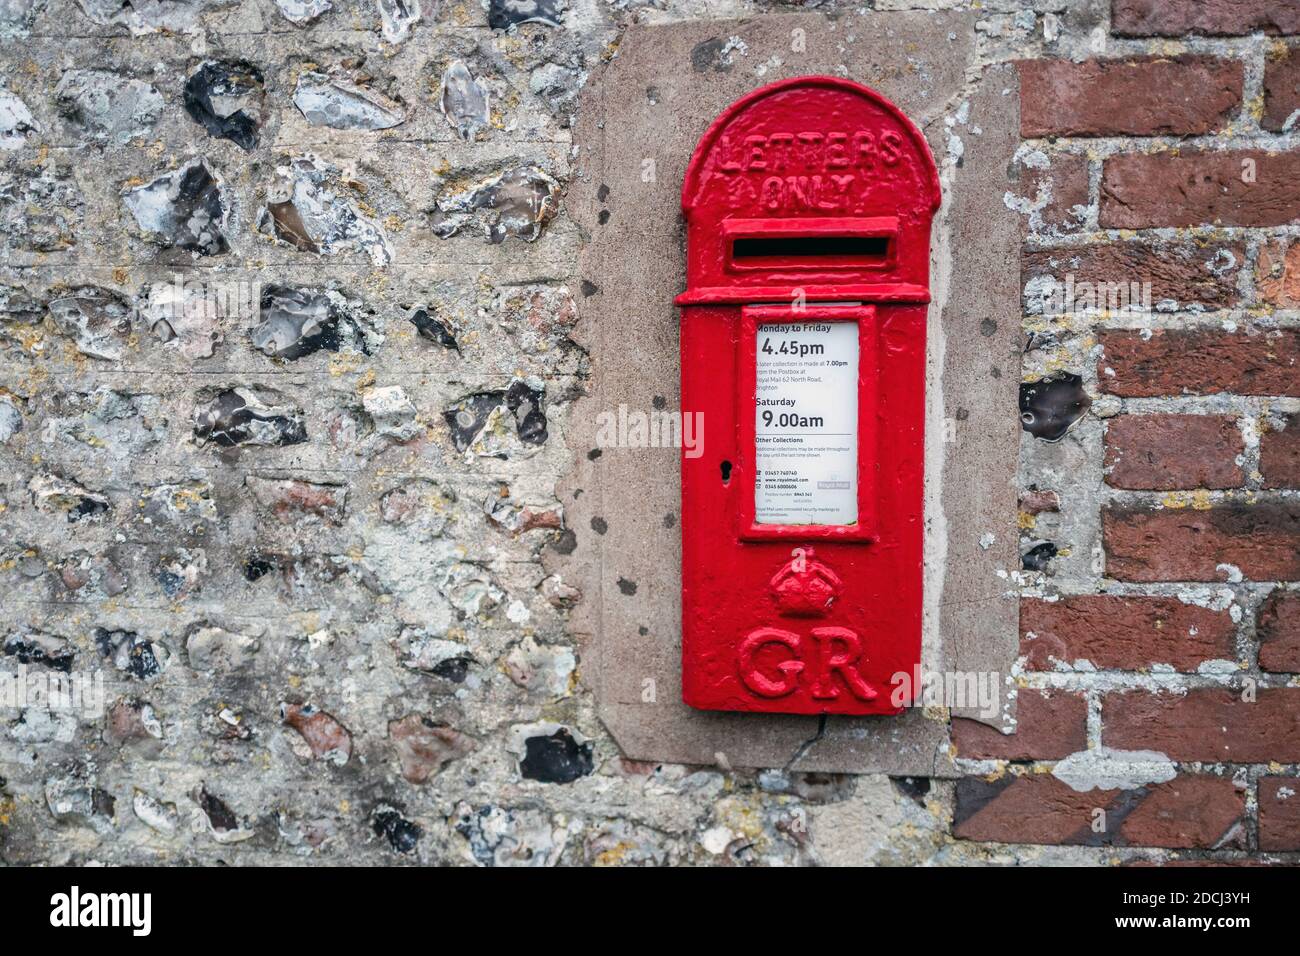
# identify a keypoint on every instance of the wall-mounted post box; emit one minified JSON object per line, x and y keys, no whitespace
{"x":808,"y":206}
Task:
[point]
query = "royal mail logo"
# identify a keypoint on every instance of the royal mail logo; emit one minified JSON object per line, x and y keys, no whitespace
{"x":77,"y":909}
{"x":826,"y":659}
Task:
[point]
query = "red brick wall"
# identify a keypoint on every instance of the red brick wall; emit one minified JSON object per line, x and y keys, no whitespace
{"x":1171,"y":624}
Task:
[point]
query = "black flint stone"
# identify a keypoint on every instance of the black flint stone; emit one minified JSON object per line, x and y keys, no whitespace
{"x":503,"y":14}
{"x":401,"y":833}
{"x":434,"y":330}
{"x":1051,"y":406}
{"x":1038,"y":557}
{"x":141,"y":662}
{"x":29,"y":652}
{"x":525,"y":405}
{"x":298,"y":308}
{"x":476,"y":409}
{"x":224,"y":79}
{"x":194,"y":214}
{"x":219,"y":815}
{"x":87,"y":508}
{"x":454,"y":669}
{"x":256,"y":566}
{"x":555,"y":759}
{"x":227,"y":417}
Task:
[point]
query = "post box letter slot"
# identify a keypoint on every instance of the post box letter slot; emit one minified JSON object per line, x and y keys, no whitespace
{"x":815,"y":244}
{"x":858,"y":248}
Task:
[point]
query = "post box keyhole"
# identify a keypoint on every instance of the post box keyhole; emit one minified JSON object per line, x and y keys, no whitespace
{"x":726,"y":472}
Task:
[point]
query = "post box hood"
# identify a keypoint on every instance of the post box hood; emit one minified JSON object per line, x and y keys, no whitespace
{"x":812,"y":183}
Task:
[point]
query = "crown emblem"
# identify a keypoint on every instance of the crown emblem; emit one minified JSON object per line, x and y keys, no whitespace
{"x":804,"y":587}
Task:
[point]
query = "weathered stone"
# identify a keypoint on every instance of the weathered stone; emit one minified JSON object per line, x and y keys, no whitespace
{"x":185,"y":209}
{"x":141,"y":17}
{"x":503,"y":14}
{"x":302,"y":12}
{"x":295,"y":502}
{"x":158,"y":816}
{"x":40,"y":209}
{"x":76,"y":796}
{"x":132,"y":720}
{"x":236,"y":416}
{"x":39,"y":650}
{"x":398,"y":17}
{"x":109,"y":107}
{"x":16,"y":122}
{"x":464,"y":101}
{"x":340,"y":104}
{"x":402,"y":834}
{"x":518,"y":203}
{"x":98,"y":320}
{"x":424,"y":747}
{"x":328,"y":739}
{"x":218,"y":819}
{"x":185,"y":317}
{"x":302,"y":212}
{"x":137,"y":656}
{"x":216,"y":649}
{"x":540,"y":669}
{"x":54,"y":495}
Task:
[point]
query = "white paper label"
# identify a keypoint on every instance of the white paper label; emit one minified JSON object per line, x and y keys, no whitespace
{"x":806,"y":424}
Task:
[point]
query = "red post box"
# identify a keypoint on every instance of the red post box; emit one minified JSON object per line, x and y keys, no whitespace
{"x":808,"y":206}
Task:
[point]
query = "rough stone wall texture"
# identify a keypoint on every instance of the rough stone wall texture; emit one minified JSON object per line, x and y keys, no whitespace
{"x":284,"y":311}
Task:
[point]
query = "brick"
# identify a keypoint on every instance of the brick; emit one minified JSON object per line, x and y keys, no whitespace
{"x":1143,"y":96}
{"x":1278,"y":630}
{"x":1059,"y":191}
{"x":1279,"y":813}
{"x":1192,"y":811}
{"x":1171,"y":18}
{"x":1200,"y":362}
{"x":1209,"y":725}
{"x":1279,"y":455}
{"x":1188,"y":811}
{"x":1262,"y":541}
{"x":1037,"y":501}
{"x":1049,"y":725}
{"x":1281,"y":88}
{"x":1277,"y":275}
{"x":1185,"y":273}
{"x":1164,"y":452}
{"x":1124,"y":633}
{"x":1230,"y":188}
